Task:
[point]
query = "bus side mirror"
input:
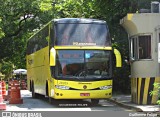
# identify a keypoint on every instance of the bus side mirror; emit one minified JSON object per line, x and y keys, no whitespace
{"x":118,"y":58}
{"x":52,"y":57}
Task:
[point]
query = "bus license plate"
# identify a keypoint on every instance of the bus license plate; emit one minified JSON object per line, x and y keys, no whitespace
{"x":84,"y":94}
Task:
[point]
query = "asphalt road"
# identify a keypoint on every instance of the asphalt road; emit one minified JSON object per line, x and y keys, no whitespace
{"x":42,"y":104}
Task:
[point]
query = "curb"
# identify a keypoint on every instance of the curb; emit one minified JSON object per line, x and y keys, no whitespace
{"x":125,"y":105}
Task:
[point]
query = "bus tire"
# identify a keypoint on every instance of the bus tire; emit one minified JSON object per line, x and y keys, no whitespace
{"x":47,"y":92}
{"x":30,"y":87}
{"x":95,"y":101}
{"x":34,"y":95}
{"x":50,"y":100}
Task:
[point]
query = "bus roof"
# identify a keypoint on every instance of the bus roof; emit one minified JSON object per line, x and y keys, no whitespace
{"x":78,"y":20}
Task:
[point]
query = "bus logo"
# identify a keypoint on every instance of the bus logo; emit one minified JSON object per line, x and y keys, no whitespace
{"x":90,"y":44}
{"x":85,"y":86}
{"x":30,"y":61}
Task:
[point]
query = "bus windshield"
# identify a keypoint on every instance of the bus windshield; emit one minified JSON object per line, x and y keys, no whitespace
{"x":80,"y":34}
{"x":83,"y":64}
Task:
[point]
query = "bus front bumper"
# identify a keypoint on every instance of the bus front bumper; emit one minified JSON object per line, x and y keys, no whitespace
{"x":90,"y":94}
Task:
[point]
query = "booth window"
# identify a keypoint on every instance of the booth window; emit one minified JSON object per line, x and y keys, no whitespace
{"x":145,"y":47}
{"x":140,"y":47}
{"x":133,"y":47}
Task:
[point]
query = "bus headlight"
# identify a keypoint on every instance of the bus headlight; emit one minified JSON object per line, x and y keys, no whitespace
{"x":105,"y":87}
{"x":62,"y":87}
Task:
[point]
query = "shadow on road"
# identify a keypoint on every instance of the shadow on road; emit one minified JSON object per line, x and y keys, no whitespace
{"x":41,"y":103}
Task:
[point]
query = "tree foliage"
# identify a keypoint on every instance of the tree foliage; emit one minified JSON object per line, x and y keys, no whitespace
{"x":6,"y":69}
{"x":19,"y":19}
{"x":1,"y":32}
{"x":156,"y":91}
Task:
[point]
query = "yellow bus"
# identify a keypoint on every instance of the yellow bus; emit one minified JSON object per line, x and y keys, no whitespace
{"x":71,"y":58}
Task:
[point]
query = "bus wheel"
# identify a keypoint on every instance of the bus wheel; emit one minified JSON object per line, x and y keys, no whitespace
{"x":33,"y":93}
{"x":50,"y":100}
{"x":47,"y":93}
{"x":95,"y":101}
{"x":30,"y":87}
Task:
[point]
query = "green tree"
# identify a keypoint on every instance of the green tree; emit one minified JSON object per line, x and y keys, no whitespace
{"x":19,"y":19}
{"x":1,"y":32}
{"x":7,"y":69}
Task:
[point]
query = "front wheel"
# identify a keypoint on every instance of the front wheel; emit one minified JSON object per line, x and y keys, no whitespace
{"x":50,"y":100}
{"x":95,"y":101}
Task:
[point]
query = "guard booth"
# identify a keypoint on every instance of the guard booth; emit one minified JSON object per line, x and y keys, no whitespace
{"x":144,"y":36}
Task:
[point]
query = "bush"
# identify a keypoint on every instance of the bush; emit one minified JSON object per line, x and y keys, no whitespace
{"x":156,"y":91}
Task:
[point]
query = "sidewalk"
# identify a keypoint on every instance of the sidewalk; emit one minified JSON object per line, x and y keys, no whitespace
{"x":125,"y":101}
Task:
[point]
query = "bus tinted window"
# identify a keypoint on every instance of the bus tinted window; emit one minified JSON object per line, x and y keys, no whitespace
{"x":38,"y":41}
{"x":82,"y":34}
{"x":83,"y":64}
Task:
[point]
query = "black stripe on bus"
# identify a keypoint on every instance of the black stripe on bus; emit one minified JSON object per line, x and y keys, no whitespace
{"x":136,"y":95}
{"x":149,"y":98}
{"x":132,"y":86}
{"x":142,"y":90}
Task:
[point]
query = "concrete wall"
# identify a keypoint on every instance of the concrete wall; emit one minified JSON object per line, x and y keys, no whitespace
{"x":139,"y":24}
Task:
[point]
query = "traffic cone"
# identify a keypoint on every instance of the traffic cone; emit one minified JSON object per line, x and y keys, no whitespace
{"x":15,"y":95}
{"x":2,"y":105}
{"x":23,"y":85}
{"x":4,"y":95}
